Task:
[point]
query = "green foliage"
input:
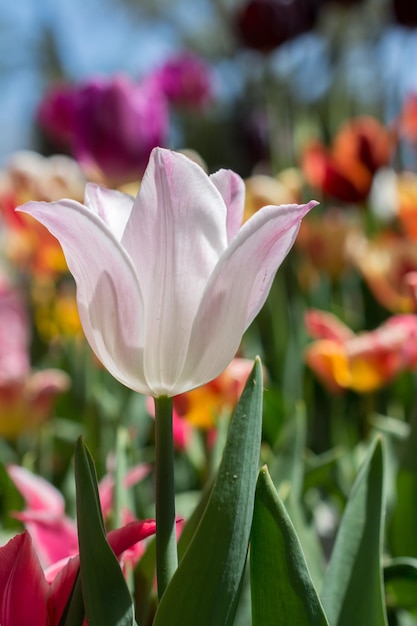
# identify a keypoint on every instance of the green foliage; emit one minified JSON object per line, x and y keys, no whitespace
{"x":105,"y":595}
{"x":355,"y":564}
{"x":205,"y":589}
{"x":282,"y":589}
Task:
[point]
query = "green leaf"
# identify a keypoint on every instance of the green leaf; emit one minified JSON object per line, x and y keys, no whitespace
{"x":283,"y":592}
{"x":287,"y":467}
{"x":106,"y":597}
{"x":205,"y":588}
{"x":352,"y":587}
{"x":287,"y":474}
{"x":402,"y":531}
{"x":144,"y":584}
{"x":400,"y":577}
{"x":74,"y":612}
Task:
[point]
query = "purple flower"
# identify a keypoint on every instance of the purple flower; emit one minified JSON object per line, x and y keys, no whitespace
{"x":109,"y":124}
{"x":186,"y":80}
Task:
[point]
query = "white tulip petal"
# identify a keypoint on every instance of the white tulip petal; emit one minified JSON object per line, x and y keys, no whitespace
{"x":175,"y":235}
{"x":114,"y":207}
{"x":232,"y":189}
{"x":238,"y":288}
{"x":108,"y":293}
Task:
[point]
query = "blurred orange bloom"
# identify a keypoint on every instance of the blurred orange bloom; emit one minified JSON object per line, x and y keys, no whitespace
{"x":364,"y":362}
{"x":27,"y":403}
{"x":407,"y":202}
{"x":345,"y":170}
{"x":30,"y":176}
{"x":324,"y":244}
{"x":407,"y":123}
{"x":55,"y":308}
{"x":384,"y":263}
{"x":201,"y":407}
{"x":262,"y":190}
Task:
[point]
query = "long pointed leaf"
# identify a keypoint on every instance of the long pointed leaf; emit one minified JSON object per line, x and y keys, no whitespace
{"x":205,"y":589}
{"x":287,"y":474}
{"x":106,"y":597}
{"x":283,"y":593}
{"x":355,"y":564}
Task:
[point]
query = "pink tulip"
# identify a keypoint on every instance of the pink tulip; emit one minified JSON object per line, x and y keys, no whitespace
{"x":27,"y":597}
{"x":54,"y":534}
{"x":363,"y":362}
{"x":168,"y":282}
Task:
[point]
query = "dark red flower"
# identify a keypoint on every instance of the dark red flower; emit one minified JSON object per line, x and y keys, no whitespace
{"x":405,"y":12}
{"x":267,"y":24}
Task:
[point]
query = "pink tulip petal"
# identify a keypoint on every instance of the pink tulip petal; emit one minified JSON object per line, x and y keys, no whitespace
{"x":39,"y":495}
{"x":175,"y":235}
{"x":61,"y":587}
{"x":324,"y":325}
{"x":23,"y":588}
{"x":108,"y":293}
{"x":123,"y":538}
{"x":120,"y":540}
{"x":232,"y":189}
{"x":53,"y":539}
{"x":106,"y":485}
{"x":238,"y":289}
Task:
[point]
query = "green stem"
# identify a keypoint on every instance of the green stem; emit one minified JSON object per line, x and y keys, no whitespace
{"x":166,"y":542}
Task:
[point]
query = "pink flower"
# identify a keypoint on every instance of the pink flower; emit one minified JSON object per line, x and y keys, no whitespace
{"x":109,"y":124}
{"x":168,"y":282}
{"x":54,"y":534}
{"x":363,"y":362}
{"x":26,"y":597}
{"x":26,"y":397}
{"x":186,"y":80}
{"x":14,"y":334}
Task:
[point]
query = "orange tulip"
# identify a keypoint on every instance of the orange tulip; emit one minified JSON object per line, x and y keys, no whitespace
{"x":384,"y":263}
{"x":202,"y":406}
{"x":364,"y":362}
{"x":345,"y":170}
{"x":407,"y":122}
{"x":407,"y":203}
{"x":324,"y":244}
{"x":30,"y":176}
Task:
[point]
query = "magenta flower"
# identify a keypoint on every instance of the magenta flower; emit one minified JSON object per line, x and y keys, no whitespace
{"x":109,"y":124}
{"x":53,"y":533}
{"x":168,"y":282}
{"x":186,"y":80}
{"x":26,"y":596}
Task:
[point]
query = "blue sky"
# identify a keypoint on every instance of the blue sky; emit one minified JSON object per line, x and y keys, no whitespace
{"x":92,"y":36}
